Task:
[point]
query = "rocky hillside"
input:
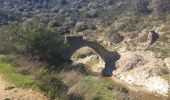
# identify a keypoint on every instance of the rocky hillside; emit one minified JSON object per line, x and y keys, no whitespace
{"x":72,"y":16}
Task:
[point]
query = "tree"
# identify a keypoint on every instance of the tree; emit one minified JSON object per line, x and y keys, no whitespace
{"x":49,"y":46}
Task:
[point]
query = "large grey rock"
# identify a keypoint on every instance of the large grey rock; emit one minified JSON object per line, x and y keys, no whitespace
{"x":130,"y":60}
{"x":145,"y":68}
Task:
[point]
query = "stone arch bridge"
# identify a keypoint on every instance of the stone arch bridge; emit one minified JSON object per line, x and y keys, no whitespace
{"x":110,"y":58}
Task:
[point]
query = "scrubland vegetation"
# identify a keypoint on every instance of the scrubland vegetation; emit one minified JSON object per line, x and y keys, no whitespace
{"x":32,"y":41}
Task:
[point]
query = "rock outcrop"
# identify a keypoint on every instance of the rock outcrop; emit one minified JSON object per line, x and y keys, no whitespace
{"x":130,"y":60}
{"x":142,"y":68}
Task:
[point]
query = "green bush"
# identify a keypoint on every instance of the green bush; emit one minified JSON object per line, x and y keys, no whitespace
{"x":52,"y":86}
{"x":36,"y":38}
{"x":48,"y":46}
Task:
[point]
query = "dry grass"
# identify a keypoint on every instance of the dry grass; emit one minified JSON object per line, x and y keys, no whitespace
{"x":90,"y":87}
{"x":23,"y":64}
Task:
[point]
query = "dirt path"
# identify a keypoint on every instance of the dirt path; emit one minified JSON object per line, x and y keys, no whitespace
{"x":9,"y":92}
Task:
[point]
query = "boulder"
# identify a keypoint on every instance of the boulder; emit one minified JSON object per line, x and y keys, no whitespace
{"x":142,"y":68}
{"x":130,"y":60}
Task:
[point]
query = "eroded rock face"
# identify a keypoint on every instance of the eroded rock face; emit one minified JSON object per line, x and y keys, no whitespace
{"x":130,"y":60}
{"x":142,"y":68}
{"x":167,"y":62}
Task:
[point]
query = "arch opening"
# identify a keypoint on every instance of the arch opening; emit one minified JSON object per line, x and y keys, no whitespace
{"x":89,"y":57}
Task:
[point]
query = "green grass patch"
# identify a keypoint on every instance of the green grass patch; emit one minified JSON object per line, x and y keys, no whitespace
{"x":93,"y":62}
{"x":18,"y":79}
{"x":1,"y":57}
{"x":97,"y":90}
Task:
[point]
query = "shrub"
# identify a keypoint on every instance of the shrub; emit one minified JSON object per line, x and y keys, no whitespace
{"x":48,"y":46}
{"x":113,"y":36}
{"x":93,"y":5}
{"x":109,"y":2}
{"x":81,"y":26}
{"x":62,"y":30}
{"x":55,"y":23}
{"x":92,"y":26}
{"x":63,"y":2}
{"x":162,"y":6}
{"x":143,"y":38}
{"x":70,"y":23}
{"x":53,"y":86}
{"x":91,"y":14}
{"x":56,"y":9}
{"x":168,"y":19}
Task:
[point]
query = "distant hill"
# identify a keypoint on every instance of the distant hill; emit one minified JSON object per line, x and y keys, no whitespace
{"x":80,"y":15}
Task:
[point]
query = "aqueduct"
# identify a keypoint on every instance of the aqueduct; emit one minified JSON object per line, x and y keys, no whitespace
{"x":110,"y":58}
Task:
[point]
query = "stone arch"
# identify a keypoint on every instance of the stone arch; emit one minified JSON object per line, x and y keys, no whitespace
{"x":110,"y":58}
